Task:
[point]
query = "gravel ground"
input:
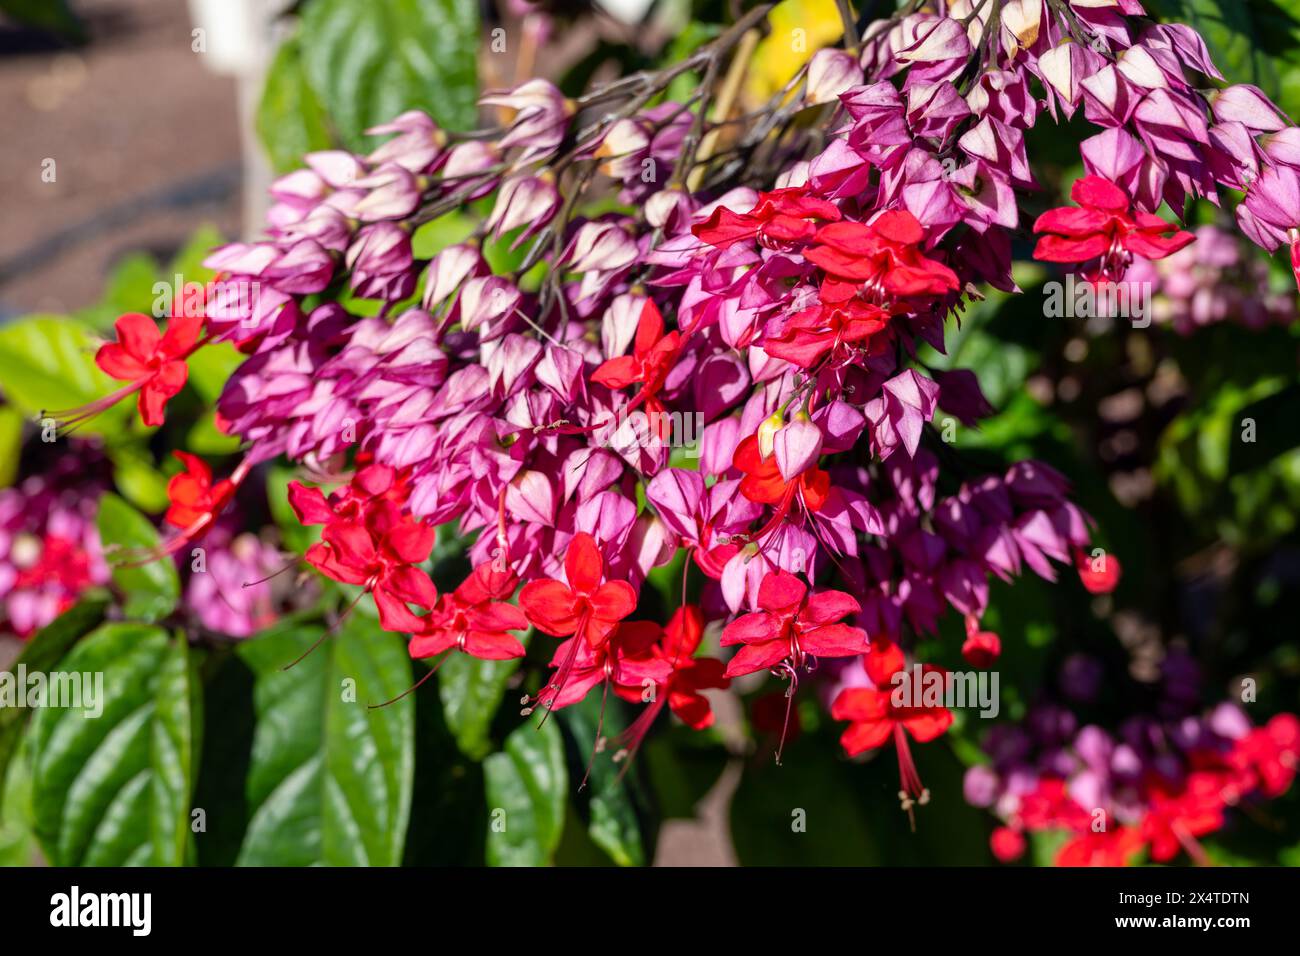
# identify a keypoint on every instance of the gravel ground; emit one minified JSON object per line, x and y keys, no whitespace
{"x":145,"y":142}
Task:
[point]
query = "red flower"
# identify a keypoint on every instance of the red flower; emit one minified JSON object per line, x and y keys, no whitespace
{"x":153,"y":362}
{"x":1099,"y":575}
{"x":881,"y":259}
{"x":1049,"y":805}
{"x":584,"y":606}
{"x":370,"y":484}
{"x":1176,"y":817}
{"x":60,"y":572}
{"x":1113,"y":847}
{"x":780,"y":218}
{"x":827,"y":327}
{"x":474,"y":620}
{"x":690,"y":674}
{"x":791,"y":626}
{"x":1104,"y":226}
{"x":195,"y":500}
{"x":1007,"y":844}
{"x":981,"y":648}
{"x":628,"y":660}
{"x":764,"y":484}
{"x":380,"y":553}
{"x":652,"y":358}
{"x":874,"y":717}
{"x":1271,"y":753}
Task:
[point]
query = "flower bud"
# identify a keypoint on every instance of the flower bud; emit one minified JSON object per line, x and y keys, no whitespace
{"x":797,"y":446}
{"x":767,"y":432}
{"x":1248,"y":105}
{"x":541,"y":116}
{"x":528,"y":201}
{"x":830,"y":73}
{"x":449,"y":269}
{"x":393,"y":193}
{"x":381,"y":263}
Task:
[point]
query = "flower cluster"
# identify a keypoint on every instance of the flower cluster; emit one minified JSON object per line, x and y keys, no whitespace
{"x":49,"y":546}
{"x":1159,"y":783}
{"x":549,"y":413}
{"x":1212,"y":281}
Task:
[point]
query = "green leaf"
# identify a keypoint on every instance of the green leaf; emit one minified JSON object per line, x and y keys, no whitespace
{"x":114,"y":789}
{"x":211,"y":367}
{"x":17,"y":839}
{"x":330,"y":779}
{"x":177,"y":730}
{"x":53,"y":15}
{"x":1231,"y":35}
{"x":47,"y":363}
{"x":297,"y":536}
{"x":11,"y":444}
{"x":150,"y":590}
{"x":138,"y":479}
{"x":370,"y":60}
{"x":526,"y":786}
{"x":290,"y":118}
{"x":204,"y":439}
{"x":471,"y":691}
{"x":42,"y":651}
{"x":613,"y":822}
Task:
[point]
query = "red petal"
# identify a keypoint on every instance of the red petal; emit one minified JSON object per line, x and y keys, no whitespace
{"x":859,"y":704}
{"x":1101,"y":193}
{"x":899,"y":225}
{"x":411,"y":541}
{"x":691,"y":709}
{"x":309,"y":504}
{"x":827,"y":606}
{"x":413,"y":586}
{"x":1072,"y":221}
{"x":182,"y":332}
{"x":835,"y":640}
{"x":120,"y":364}
{"x":375,"y":480}
{"x":583,"y":565}
{"x":929,"y":724}
{"x":394,"y":615}
{"x":550,"y":606}
{"x":757,"y":628}
{"x":351,"y":544}
{"x":196,"y":467}
{"x":497,"y":617}
{"x":781,"y":592}
{"x":684,"y":630}
{"x":1152,"y":246}
{"x":861,"y":737}
{"x":649,"y":329}
{"x":723,"y":227}
{"x":618,"y":372}
{"x":152,"y":402}
{"x":493,"y":645}
{"x":883,"y":661}
{"x":613,"y":601}
{"x":429,"y":645}
{"x":138,"y":335}
{"x":757,"y":657}
{"x":1057,"y":249}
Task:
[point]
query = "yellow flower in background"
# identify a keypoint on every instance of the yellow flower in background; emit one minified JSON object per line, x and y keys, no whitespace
{"x":799,"y":29}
